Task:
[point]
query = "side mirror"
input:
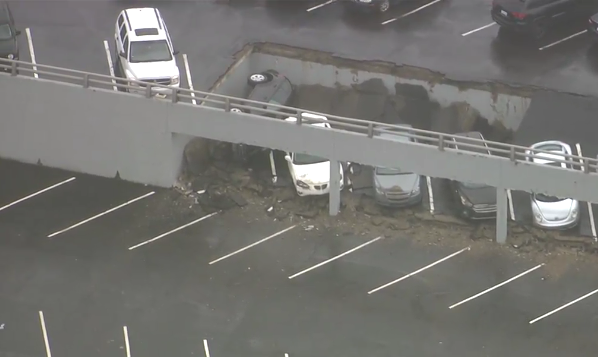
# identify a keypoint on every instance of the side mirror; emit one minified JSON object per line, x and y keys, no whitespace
{"x":288,"y":158}
{"x":17,"y":33}
{"x":175,"y":52}
{"x":121,"y":54}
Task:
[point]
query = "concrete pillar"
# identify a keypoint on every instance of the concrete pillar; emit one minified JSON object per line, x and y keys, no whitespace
{"x":502,"y":214}
{"x":334,"y":202}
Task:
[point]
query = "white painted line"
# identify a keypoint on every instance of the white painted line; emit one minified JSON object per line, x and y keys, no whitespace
{"x":110,"y":64}
{"x":31,"y":51}
{"x":253,"y":244}
{"x":411,"y":12}
{"x":42,"y":322}
{"x":590,"y":208}
{"x":511,"y":209}
{"x":430,"y":194}
{"x":101,"y":214}
{"x":127,"y":345}
{"x":563,"y":40}
{"x":36,"y":193}
{"x":497,"y":286}
{"x":418,"y":271}
{"x":564,"y":306}
{"x":172,"y":231}
{"x":206,"y":348}
{"x":189,"y":80}
{"x":321,"y":5}
{"x":478,"y":29}
{"x":335,"y":258}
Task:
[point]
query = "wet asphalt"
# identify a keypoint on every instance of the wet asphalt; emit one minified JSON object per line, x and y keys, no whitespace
{"x":89,"y":285}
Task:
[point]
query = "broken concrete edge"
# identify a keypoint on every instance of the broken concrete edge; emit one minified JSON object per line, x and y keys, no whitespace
{"x":238,"y":58}
{"x":401,"y":70}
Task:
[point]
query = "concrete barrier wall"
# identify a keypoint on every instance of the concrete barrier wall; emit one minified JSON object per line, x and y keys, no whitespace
{"x":507,"y":108}
{"x":101,"y":133}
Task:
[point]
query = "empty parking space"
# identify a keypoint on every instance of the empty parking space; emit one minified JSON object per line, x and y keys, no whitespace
{"x":20,"y":330}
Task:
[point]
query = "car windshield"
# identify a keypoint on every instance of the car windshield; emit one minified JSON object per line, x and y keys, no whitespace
{"x":306,"y":159}
{"x":150,"y":51}
{"x":390,"y":171}
{"x":544,"y":198}
{"x":471,"y":185}
{"x":5,"y":32}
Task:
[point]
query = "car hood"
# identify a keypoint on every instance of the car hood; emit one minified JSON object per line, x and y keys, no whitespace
{"x":479,"y":195}
{"x":8,"y":47}
{"x":314,"y":173}
{"x":397,"y":183}
{"x":554,"y":211}
{"x":153,"y":70}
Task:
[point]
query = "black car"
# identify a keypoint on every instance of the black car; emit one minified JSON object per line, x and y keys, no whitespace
{"x":535,"y":17}
{"x":473,"y":201}
{"x":268,"y":87}
{"x":9,"y":47}
{"x":379,"y":6}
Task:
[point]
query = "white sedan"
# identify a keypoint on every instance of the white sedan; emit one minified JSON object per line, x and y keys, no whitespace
{"x":311,"y":174}
{"x":551,"y":211}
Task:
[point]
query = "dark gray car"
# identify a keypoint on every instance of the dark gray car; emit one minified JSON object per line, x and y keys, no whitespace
{"x":393,"y":186}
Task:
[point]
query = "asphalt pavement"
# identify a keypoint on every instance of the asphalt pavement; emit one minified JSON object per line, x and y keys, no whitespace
{"x":100,"y":267}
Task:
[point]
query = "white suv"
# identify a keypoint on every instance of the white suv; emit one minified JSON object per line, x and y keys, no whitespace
{"x":144,"y":49}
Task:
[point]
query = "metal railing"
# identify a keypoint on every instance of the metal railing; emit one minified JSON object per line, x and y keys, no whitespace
{"x":515,"y":153}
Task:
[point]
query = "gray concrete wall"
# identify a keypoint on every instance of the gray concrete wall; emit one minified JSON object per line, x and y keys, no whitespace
{"x":91,"y":131}
{"x":494,"y":105}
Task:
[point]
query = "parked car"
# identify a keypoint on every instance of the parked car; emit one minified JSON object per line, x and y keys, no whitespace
{"x":474,"y":200}
{"x":311,"y":174}
{"x":268,"y":87}
{"x":535,"y":17}
{"x":550,"y":211}
{"x":393,"y":186}
{"x":9,"y":47}
{"x":379,"y":6}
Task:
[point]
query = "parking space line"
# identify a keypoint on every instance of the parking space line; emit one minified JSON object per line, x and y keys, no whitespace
{"x":564,"y":306}
{"x":101,"y":214}
{"x":497,"y":286}
{"x":590,"y":208}
{"x":335,"y":258}
{"x":31,"y":51}
{"x":110,"y":64}
{"x":36,"y":193}
{"x":206,"y":348}
{"x":563,"y":40}
{"x":253,"y":244}
{"x":478,"y":29}
{"x":511,"y":208}
{"x":320,"y":5}
{"x":127,"y":345}
{"x":410,"y":12}
{"x":172,"y":231}
{"x":418,"y":271}
{"x":189,"y":80}
{"x":42,"y":322}
{"x":430,"y":194}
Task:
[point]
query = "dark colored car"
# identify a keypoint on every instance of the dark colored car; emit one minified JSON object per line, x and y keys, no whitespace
{"x":593,"y":26}
{"x":473,"y":201}
{"x":395,"y":187}
{"x":379,"y":6}
{"x":535,"y":17}
{"x":268,"y":87}
{"x":9,"y":47}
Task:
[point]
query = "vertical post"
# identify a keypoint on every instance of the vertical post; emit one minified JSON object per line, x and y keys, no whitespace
{"x":334,"y":202}
{"x":501,"y":215}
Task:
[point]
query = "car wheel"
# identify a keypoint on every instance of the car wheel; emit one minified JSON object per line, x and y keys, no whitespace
{"x":235,"y":110}
{"x":259,"y":78}
{"x":384,"y":6}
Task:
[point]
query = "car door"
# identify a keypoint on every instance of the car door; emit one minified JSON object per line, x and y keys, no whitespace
{"x":553,"y":11}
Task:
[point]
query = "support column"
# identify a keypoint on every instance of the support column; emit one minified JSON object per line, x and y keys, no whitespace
{"x":502,"y":214}
{"x":334,"y":202}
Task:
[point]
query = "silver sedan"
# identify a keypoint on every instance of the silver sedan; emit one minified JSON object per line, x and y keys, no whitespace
{"x":550,"y":211}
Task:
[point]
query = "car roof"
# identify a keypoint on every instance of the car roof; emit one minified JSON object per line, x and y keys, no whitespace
{"x":311,"y":116}
{"x":396,"y":133}
{"x":144,"y":18}
{"x":471,"y":135}
{"x":556,"y":147}
{"x":263,"y":92}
